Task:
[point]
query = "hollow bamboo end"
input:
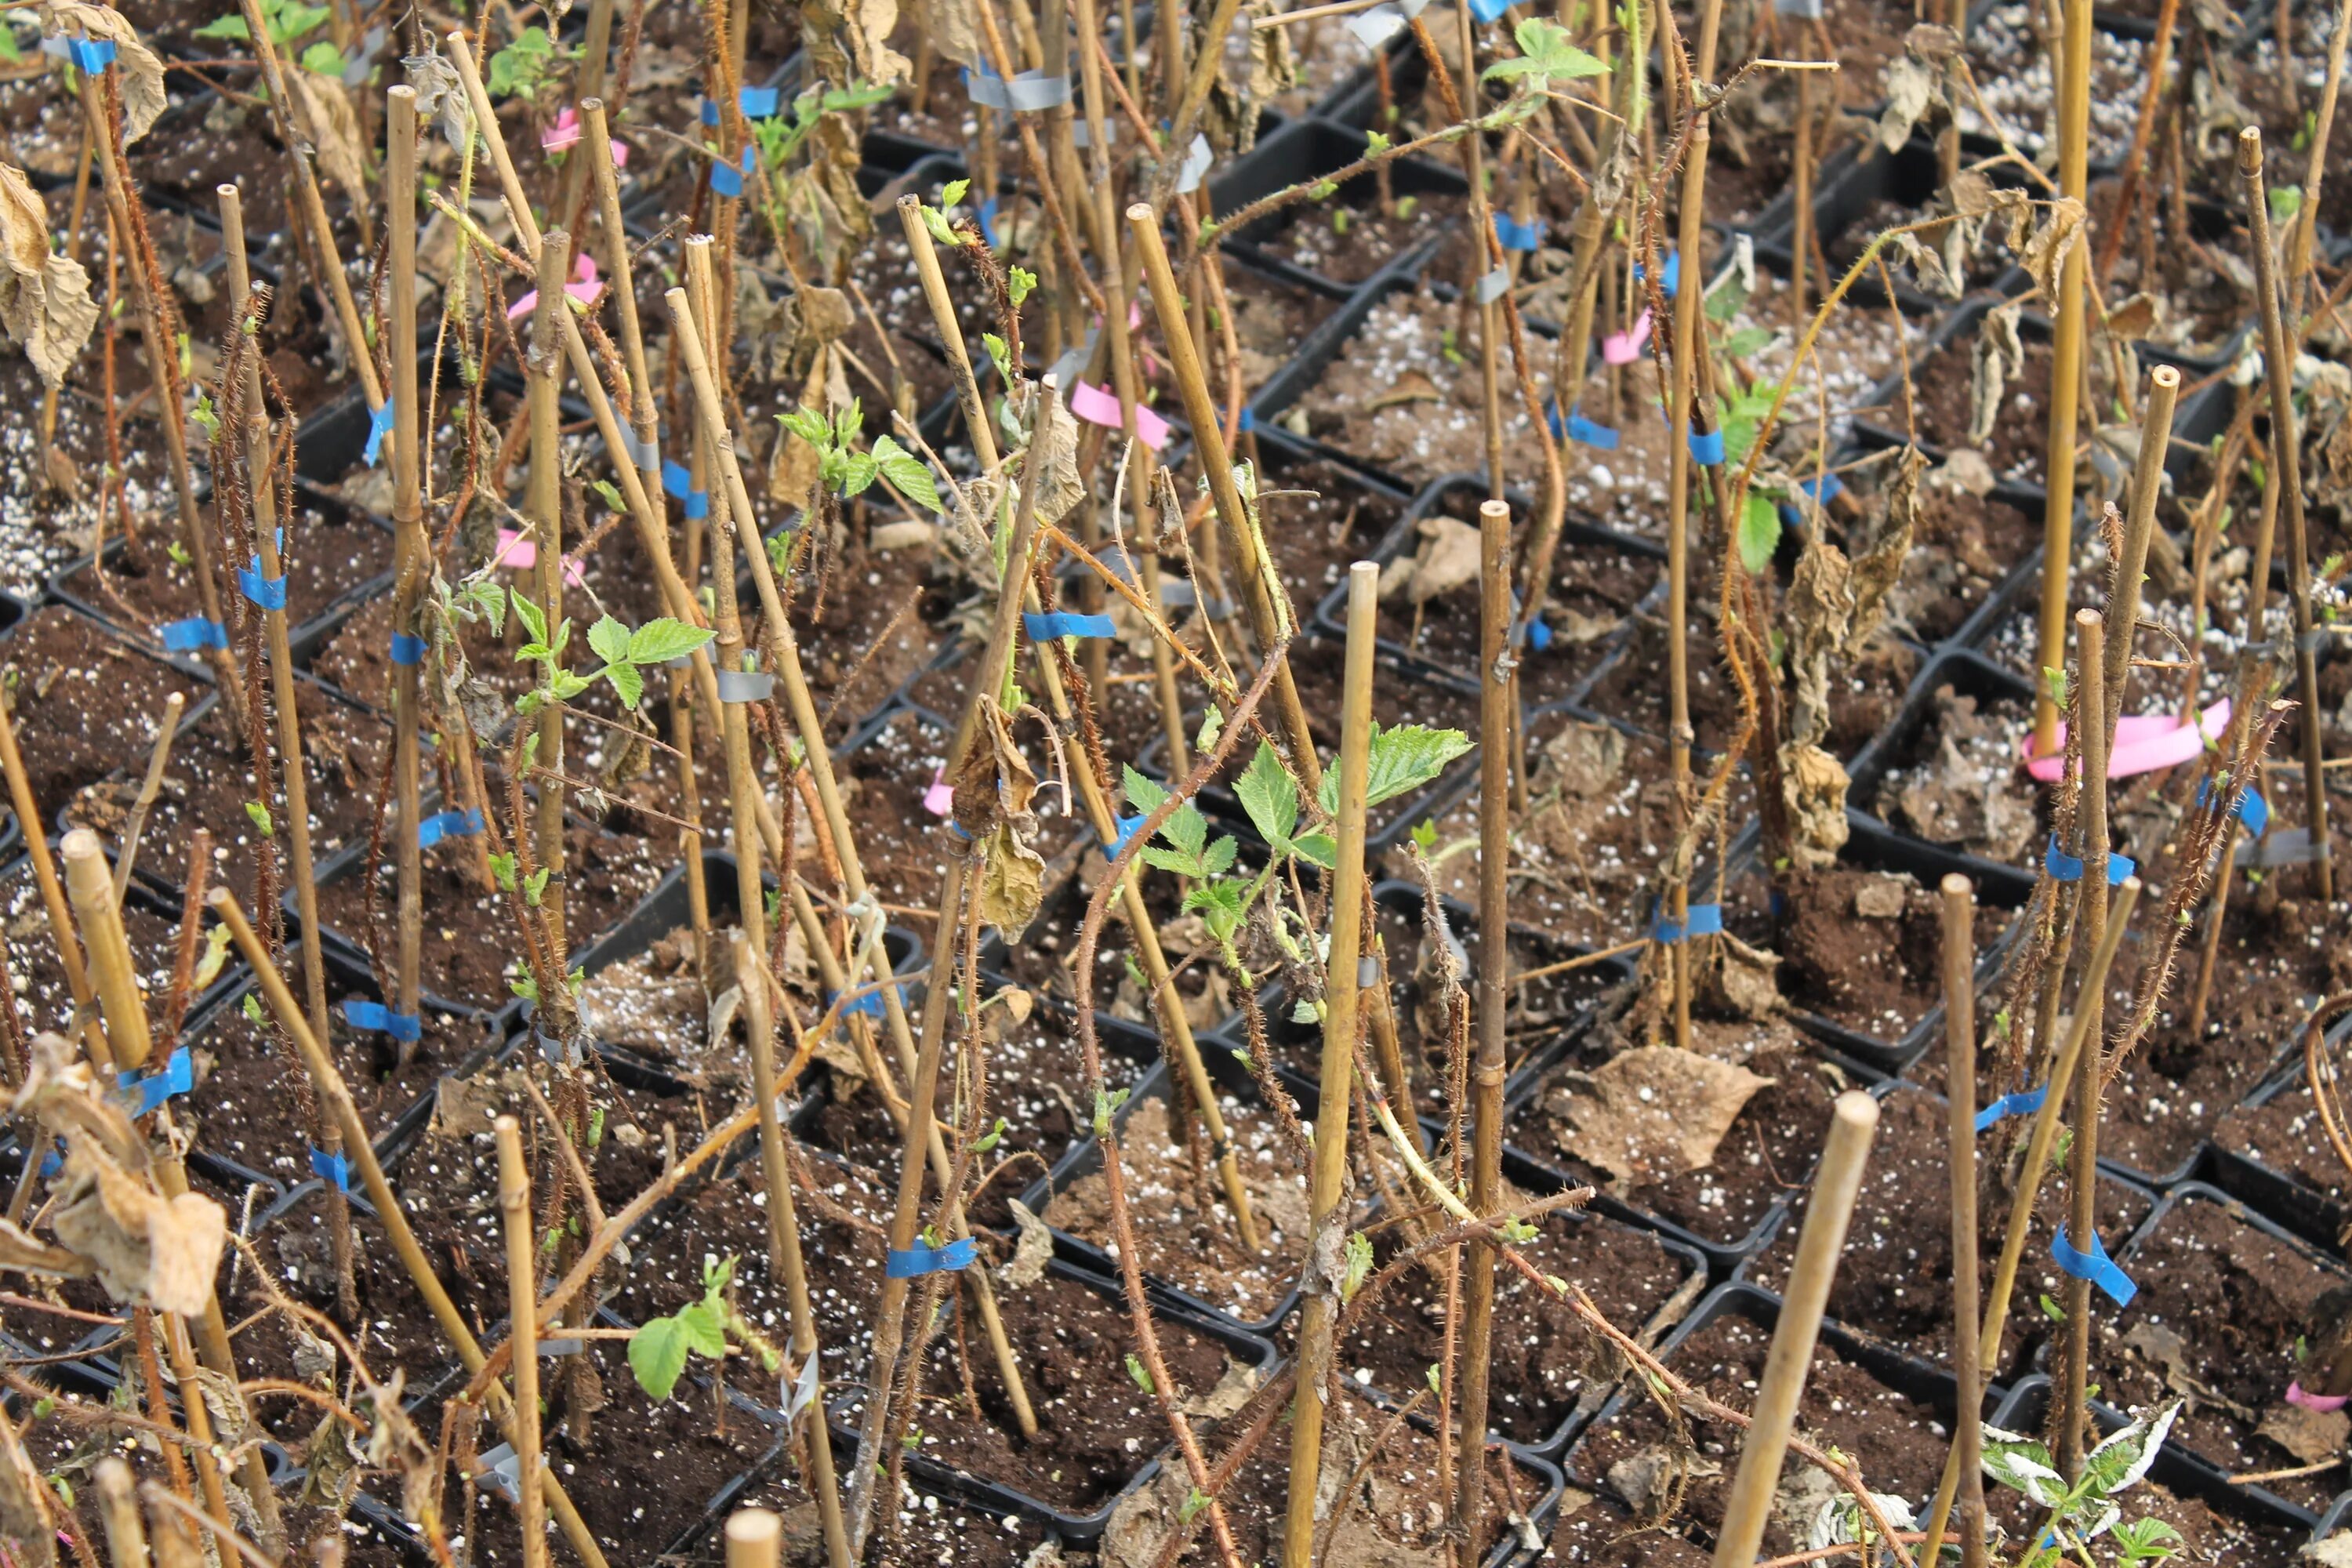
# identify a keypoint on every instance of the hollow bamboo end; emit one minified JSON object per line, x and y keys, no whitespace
{"x":402,"y":93}
{"x":81,"y":845}
{"x":1855,"y":1113}
{"x":1955,"y":885}
{"x":2250,"y":150}
{"x":2166,"y":377}
{"x":1139,"y":213}
{"x":1501,"y":509}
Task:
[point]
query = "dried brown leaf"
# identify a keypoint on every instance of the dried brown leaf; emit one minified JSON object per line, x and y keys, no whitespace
{"x":45,"y":303}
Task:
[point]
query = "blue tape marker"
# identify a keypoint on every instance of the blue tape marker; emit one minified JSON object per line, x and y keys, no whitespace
{"x":1513,"y":233}
{"x":2025,"y":1102}
{"x":2065,"y":868}
{"x":1066,"y":624}
{"x":335,"y":1168}
{"x":987,"y":224}
{"x":1118,"y":847}
{"x":1488,"y":11}
{"x":377,"y":1018}
{"x":870,"y":1004}
{"x":53,"y":1162}
{"x":268,"y":592}
{"x":1248,"y":422}
{"x":142,"y":1094}
{"x":1670,"y":279}
{"x":378,"y":426}
{"x":1577,"y":427}
{"x":756,"y":102}
{"x":448,"y":825}
{"x":406,"y":649}
{"x":920,"y":1259}
{"x":194,"y":634}
{"x":91,"y":56}
{"x":2252,"y":809}
{"x":726,"y":178}
{"x":1705,"y":919}
{"x":1825,"y":490}
{"x":1706,"y":447}
{"x":2095,"y":1265}
{"x":1538,"y":636}
{"x":678,"y":481}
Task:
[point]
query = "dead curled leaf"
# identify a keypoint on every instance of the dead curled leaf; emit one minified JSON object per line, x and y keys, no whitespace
{"x":140,"y":72}
{"x":1656,"y":1112}
{"x":1997,"y":356}
{"x":1446,"y":558}
{"x":147,"y":1249}
{"x":45,"y":303}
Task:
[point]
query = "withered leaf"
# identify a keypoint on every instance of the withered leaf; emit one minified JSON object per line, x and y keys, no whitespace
{"x":147,"y":1249}
{"x":1656,"y":1112}
{"x":45,"y":303}
{"x":141,"y":74}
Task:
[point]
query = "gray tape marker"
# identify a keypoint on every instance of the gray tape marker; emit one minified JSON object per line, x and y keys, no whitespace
{"x":1377,"y":27}
{"x":641,"y":454}
{"x":502,"y":1471}
{"x":1196,"y":165}
{"x":1492,"y":287}
{"x":1368,"y":973}
{"x":745,"y":685}
{"x":2280,"y":846}
{"x":1033,"y":90}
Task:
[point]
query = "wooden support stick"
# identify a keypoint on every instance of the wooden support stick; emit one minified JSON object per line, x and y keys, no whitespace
{"x":523,"y":1325}
{"x":2278,"y":357}
{"x":755,"y":1538}
{"x":543,"y":504}
{"x":118,"y":1508}
{"x":2090,"y":1071}
{"x":112,"y":972}
{"x":338,"y":1098}
{"x":1488,"y":1068}
{"x":1960,"y":1090}
{"x":1749,"y":1507}
{"x":1346,"y":984}
{"x":53,"y":893}
{"x":410,"y":551}
{"x":2140,"y":529}
{"x":784,"y":1258}
{"x":126,"y":851}
{"x":2073,"y":75}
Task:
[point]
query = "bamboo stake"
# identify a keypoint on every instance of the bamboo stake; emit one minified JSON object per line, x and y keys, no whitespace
{"x":1346,"y":984}
{"x":1488,"y":1069}
{"x":411,"y":550}
{"x":118,"y":1506}
{"x":784,"y":1260}
{"x":259,"y":469}
{"x":2074,"y":76}
{"x":1960,"y":1090}
{"x":126,"y":851}
{"x":543,"y":504}
{"x":2278,"y":357}
{"x":523,"y":1325}
{"x":2038,"y":1143}
{"x":199,"y":1421}
{"x":755,"y":1538}
{"x":337,"y":1097}
{"x":1749,"y":1506}
{"x":2140,"y":529}
{"x":2307,"y":220}
{"x":923,"y":1138}
{"x":112,"y":972}
{"x":297,"y":144}
{"x":53,"y":894}
{"x":2159,"y":58}
{"x":2083,"y":1169}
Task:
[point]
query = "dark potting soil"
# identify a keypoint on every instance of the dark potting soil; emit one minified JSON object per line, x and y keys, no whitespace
{"x":83,"y":704}
{"x":1314,"y":537}
{"x":1767,"y":1150}
{"x":469,"y":945}
{"x":1033,"y":1077}
{"x":1346,"y":244}
{"x":208,"y":782}
{"x":44,"y":1000}
{"x":2223,"y":1313}
{"x":1094,"y":1426}
{"x":1596,"y":1531}
{"x":1183,"y":1229}
{"x":863,"y":619}
{"x":1602,"y":820}
{"x":1963,"y":546}
{"x":1955,"y":778}
{"x":1594,"y":589}
{"x":1893,"y":1279}
{"x":2286,"y":1134}
{"x":1864,"y":696}
{"x":1900,"y":1440}
{"x":1548,"y":1362}
{"x":1943,"y":384}
{"x":327,"y":554}
{"x":1849,"y":950}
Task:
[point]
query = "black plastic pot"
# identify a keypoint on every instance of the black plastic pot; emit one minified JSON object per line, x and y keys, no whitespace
{"x":1306,"y":150}
{"x":2285,"y":1200}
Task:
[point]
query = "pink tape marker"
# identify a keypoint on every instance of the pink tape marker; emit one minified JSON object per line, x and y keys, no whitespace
{"x":2144,"y":742}
{"x":565,"y":133}
{"x":939,"y":799}
{"x":1625,"y":348}
{"x":2322,"y":1403}
{"x":584,"y":289}
{"x":1096,"y":406}
{"x":522,"y":554}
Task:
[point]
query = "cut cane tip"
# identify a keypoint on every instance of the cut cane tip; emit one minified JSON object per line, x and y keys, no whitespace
{"x":1956,"y":885}
{"x":2166,"y":375}
{"x":2250,"y":150}
{"x":753,"y":1525}
{"x":79,"y":843}
{"x":2089,"y":619}
{"x":1856,"y":1111}
{"x":1139,"y":212}
{"x":401,"y":92}
{"x":1490,"y":508}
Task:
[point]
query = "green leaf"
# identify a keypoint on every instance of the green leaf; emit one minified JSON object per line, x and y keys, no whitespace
{"x":1213,"y":724}
{"x":260,"y":815}
{"x":253,"y":1010}
{"x":1141,"y":793}
{"x":937,"y":223}
{"x":229,"y":27}
{"x":533,"y":621}
{"x":2022,"y":1465}
{"x":519,"y":67}
{"x":1188,"y":830}
{"x":1019,"y":284}
{"x":322,"y":59}
{"x":502,"y":867}
{"x":1724,"y":301}
{"x":535,"y":885}
{"x":952,"y":192}
{"x":1270,"y":795}
{"x":610,"y":639}
{"x":1400,"y":760}
{"x":661,"y":639}
{"x":657,"y":1355}
{"x":628,"y":683}
{"x":2286,"y":203}
{"x":609,"y":493}
{"x":1140,"y":1372}
{"x":1359,"y":1258}
{"x":10,"y":50}
{"x":998,"y":350}
{"x":809,"y":425}
{"x":1318,"y":849}
{"x":531,"y":650}
{"x":1220,"y":857}
{"x":907,"y":474}
{"x":1747,"y":340}
{"x":1759,"y":531}
{"x":857,"y":473}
